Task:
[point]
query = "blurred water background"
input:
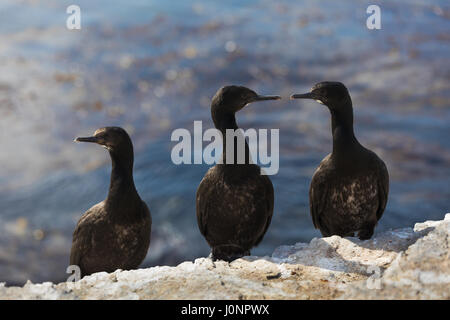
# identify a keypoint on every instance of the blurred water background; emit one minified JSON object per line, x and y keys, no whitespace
{"x":152,"y":66}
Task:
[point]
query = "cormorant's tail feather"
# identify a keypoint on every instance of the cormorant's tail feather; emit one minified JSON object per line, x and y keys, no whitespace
{"x":228,"y":252}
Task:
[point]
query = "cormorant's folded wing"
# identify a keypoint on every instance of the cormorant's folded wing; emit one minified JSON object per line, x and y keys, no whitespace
{"x":202,"y":206}
{"x":383,"y":189}
{"x":83,"y":237}
{"x":269,"y":201}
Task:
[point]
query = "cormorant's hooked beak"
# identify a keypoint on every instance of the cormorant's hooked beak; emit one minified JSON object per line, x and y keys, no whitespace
{"x":87,"y":139}
{"x":308,"y":95}
{"x":262,"y":98}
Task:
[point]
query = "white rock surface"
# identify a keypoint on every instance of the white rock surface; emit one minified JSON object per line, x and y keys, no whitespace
{"x":401,"y":264}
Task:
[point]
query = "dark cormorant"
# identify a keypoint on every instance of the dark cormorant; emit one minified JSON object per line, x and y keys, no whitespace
{"x":349,"y":189}
{"x":115,"y":233}
{"x":234,"y":201}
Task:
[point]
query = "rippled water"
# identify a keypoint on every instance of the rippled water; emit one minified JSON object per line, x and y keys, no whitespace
{"x":153,"y":66}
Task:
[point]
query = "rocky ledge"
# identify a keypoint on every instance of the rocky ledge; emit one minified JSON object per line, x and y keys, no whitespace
{"x":399,"y":264}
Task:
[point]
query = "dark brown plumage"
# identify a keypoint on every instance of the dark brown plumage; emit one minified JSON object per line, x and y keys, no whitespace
{"x":234,"y":201}
{"x":349,"y":189}
{"x":115,"y":233}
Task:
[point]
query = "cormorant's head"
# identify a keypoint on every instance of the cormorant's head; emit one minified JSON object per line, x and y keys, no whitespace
{"x":331,"y":94}
{"x":115,"y":139}
{"x":234,"y":98}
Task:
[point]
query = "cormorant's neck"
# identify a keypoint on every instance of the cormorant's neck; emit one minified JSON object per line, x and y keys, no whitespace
{"x":344,"y":139}
{"x":222,"y":122}
{"x":122,"y":190}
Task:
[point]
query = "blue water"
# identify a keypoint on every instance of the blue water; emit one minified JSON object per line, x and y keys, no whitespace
{"x":153,"y":66}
